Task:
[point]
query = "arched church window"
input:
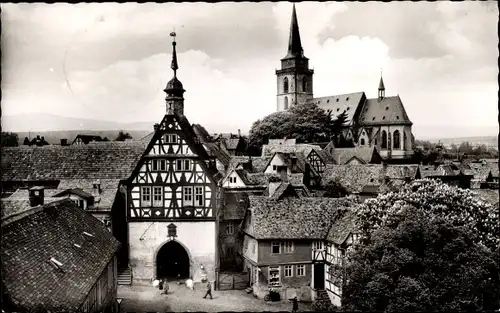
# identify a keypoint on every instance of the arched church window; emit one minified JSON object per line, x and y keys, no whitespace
{"x":286,"y":103}
{"x":285,"y":85}
{"x":404,"y":140}
{"x":304,"y":84}
{"x":397,"y":140}
{"x":384,"y":140}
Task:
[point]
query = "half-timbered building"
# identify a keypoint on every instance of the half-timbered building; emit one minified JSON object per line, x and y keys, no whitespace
{"x":172,"y":198}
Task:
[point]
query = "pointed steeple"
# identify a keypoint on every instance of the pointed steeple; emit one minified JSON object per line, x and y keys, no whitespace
{"x":294,"y":43}
{"x":174,"y":89}
{"x":381,"y":88}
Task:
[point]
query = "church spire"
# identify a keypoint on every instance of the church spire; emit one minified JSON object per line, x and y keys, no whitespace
{"x":294,"y":43}
{"x":174,"y":89}
{"x":381,"y":88}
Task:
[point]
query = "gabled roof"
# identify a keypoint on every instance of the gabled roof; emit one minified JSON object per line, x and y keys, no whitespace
{"x":75,"y":191}
{"x":365,"y":154}
{"x":105,"y":160}
{"x":88,"y":138}
{"x":293,"y":218}
{"x":284,"y":189}
{"x":389,"y":110}
{"x":304,"y":149}
{"x":51,"y":231}
{"x":342,"y":228}
{"x":339,"y":103}
{"x":214,"y":151}
{"x":259,"y":164}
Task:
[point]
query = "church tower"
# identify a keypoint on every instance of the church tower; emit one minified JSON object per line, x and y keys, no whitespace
{"x":174,"y":89}
{"x":295,"y":79}
{"x":381,"y":89}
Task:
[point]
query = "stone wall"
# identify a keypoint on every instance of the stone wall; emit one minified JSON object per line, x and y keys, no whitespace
{"x":146,"y":239}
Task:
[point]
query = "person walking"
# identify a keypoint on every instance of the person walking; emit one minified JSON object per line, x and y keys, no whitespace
{"x":165,"y":286}
{"x":209,"y":291}
{"x":295,"y":304}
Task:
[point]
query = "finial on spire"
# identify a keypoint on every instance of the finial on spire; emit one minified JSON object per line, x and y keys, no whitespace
{"x":174,"y":64}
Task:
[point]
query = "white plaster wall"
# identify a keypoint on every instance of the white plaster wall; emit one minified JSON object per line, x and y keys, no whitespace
{"x":199,"y":238}
{"x":238,"y":183}
{"x":278,"y":162}
{"x":248,"y":252}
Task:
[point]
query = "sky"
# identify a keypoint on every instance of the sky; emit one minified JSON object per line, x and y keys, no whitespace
{"x":112,"y":61}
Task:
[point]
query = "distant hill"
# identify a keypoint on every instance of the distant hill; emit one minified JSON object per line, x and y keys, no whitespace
{"x":41,"y":122}
{"x":54,"y":137}
{"x":491,"y":141}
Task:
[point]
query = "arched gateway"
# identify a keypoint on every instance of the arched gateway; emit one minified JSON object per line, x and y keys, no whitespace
{"x":172,"y":261}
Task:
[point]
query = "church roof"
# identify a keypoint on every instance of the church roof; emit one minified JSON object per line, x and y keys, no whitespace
{"x":389,"y":110}
{"x":30,"y":240}
{"x":339,"y":103}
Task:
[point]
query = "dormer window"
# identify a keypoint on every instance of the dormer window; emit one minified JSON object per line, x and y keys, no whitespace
{"x":337,"y":99}
{"x":373,"y":118}
{"x":386,"y":108}
{"x":347,"y":108}
{"x":327,"y":101}
{"x":383,"y":117}
{"x":347,"y":98}
{"x":338,"y":109}
{"x":397,"y":117}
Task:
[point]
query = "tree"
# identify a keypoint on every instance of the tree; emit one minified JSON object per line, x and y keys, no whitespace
{"x":465,"y":147}
{"x":9,"y":139}
{"x":420,"y":263}
{"x":305,"y":123}
{"x":335,"y":190}
{"x":460,"y":206}
{"x":122,"y":136}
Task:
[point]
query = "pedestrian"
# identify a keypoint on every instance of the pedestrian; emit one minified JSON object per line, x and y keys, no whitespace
{"x":165,"y":286}
{"x":209,"y":291}
{"x":295,"y":304}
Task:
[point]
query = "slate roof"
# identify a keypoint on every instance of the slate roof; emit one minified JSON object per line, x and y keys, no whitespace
{"x":18,"y":202}
{"x":343,"y":155}
{"x":388,"y":111}
{"x":101,"y":160}
{"x":342,"y":227}
{"x":346,"y":102}
{"x":304,"y":149}
{"x":51,"y":231}
{"x":294,"y":218}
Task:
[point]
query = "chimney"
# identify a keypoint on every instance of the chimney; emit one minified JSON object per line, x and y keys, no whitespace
{"x":64,"y":142}
{"x":156,"y":126}
{"x":36,"y":195}
{"x":239,"y":132}
{"x":274,"y":183}
{"x":97,"y":187}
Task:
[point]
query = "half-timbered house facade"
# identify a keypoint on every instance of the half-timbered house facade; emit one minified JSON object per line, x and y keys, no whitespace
{"x":172,"y":198}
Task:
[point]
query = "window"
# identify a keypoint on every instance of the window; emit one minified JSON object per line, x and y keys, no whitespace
{"x":285,"y":85}
{"x":170,"y":138}
{"x":198,"y":196}
{"x":337,"y":101}
{"x":146,"y":196}
{"x":274,"y":276}
{"x":304,"y":85}
{"x":347,"y":98}
{"x":159,"y":165}
{"x":229,"y":229}
{"x":318,"y":245}
{"x":375,"y":141}
{"x":187,"y":196}
{"x":362,"y":141}
{"x":301,"y":270}
{"x":183,"y":165}
{"x":288,"y":270}
{"x":253,"y":247}
{"x":275,"y":247}
{"x":384,"y":140}
{"x":157,"y":196}
{"x":386,"y":108}
{"x":397,"y":140}
{"x":274,"y":167}
{"x":286,"y":103}
{"x":288,"y":246}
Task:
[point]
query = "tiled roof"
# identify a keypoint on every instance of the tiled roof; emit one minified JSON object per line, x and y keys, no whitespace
{"x":88,"y":138}
{"x":75,"y":191}
{"x":102,"y":160}
{"x":342,"y":227}
{"x":235,"y":206}
{"x":282,"y":190}
{"x":51,"y":231}
{"x":370,"y":188}
{"x":440,"y":170}
{"x":339,"y":103}
{"x":19,"y":201}
{"x":355,"y":177}
{"x":258,"y":163}
{"x":232,"y":144}
{"x":343,"y":155}
{"x":304,"y":149}
{"x":202,"y":133}
{"x":102,"y":201}
{"x":389,"y":110}
{"x":294,"y":218}
{"x":214,"y":151}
